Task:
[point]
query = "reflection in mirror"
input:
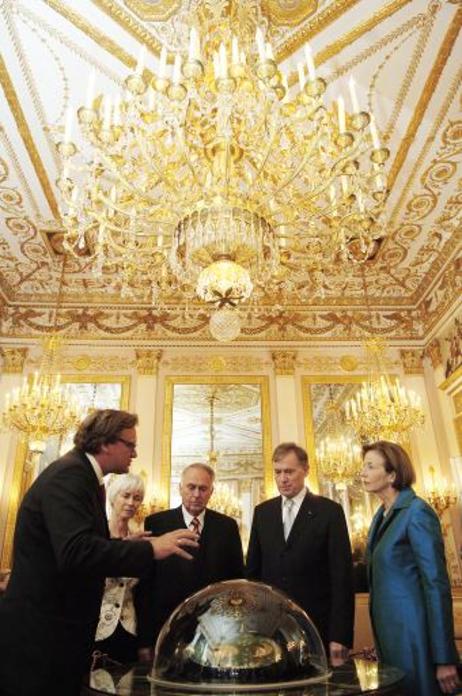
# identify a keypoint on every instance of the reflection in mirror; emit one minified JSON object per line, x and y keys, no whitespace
{"x":337,"y":454}
{"x":221,"y":423}
{"x":91,"y":392}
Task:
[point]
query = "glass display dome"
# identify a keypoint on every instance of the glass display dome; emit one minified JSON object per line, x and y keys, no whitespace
{"x":241,"y":636}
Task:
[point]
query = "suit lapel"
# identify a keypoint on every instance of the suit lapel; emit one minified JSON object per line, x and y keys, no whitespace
{"x":178,"y":514}
{"x":306,"y":513}
{"x":380,"y":526}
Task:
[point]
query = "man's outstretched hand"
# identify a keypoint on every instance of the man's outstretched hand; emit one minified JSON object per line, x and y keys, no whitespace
{"x":173,"y":543}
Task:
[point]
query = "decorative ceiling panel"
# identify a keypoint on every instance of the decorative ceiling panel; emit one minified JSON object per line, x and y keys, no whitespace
{"x":405,"y":57}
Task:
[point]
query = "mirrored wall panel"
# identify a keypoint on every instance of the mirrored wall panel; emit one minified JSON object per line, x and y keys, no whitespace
{"x":335,"y":452}
{"x":223,"y":422}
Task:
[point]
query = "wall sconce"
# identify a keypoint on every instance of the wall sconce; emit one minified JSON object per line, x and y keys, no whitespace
{"x":440,"y":495}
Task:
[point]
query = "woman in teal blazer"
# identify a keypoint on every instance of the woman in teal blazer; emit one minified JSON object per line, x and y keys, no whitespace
{"x":410,"y":594}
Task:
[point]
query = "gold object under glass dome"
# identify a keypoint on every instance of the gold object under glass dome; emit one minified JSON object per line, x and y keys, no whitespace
{"x":238,"y":636}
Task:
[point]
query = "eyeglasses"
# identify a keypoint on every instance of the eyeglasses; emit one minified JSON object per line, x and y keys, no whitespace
{"x":131,"y":445}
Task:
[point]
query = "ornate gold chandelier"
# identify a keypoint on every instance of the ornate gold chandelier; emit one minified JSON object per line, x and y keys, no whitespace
{"x":383,"y":408}
{"x":42,"y":407}
{"x":337,"y":456}
{"x":210,"y":176}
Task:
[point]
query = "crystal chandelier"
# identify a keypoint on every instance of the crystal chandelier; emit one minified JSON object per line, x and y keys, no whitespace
{"x":383,"y":409}
{"x":213,"y":175}
{"x":42,"y":407}
{"x":224,"y":501}
{"x":337,"y":456}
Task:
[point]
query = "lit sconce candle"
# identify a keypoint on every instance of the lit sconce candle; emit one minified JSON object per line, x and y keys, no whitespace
{"x":353,"y":95}
{"x":193,"y":45}
{"x":176,"y":77}
{"x":310,"y":62}
{"x":223,"y":62}
{"x":301,"y":76}
{"x":354,"y":411}
{"x":341,"y":115}
{"x":68,"y":125}
{"x":374,"y":134}
{"x":216,"y":66}
{"x":151,"y":98}
{"x":107,"y":112}
{"x":333,"y":199}
{"x":260,"y":45}
{"x":348,"y":410}
{"x":360,"y":201}
{"x":141,"y":60}
{"x":269,"y":51}
{"x":113,"y":198}
{"x":160,"y":241}
{"x":285,"y":84}
{"x":243,"y":58}
{"x":90,"y":90}
{"x":73,"y":203}
{"x":116,"y":119}
{"x":163,"y":63}
{"x":345,"y":184}
{"x":235,"y":51}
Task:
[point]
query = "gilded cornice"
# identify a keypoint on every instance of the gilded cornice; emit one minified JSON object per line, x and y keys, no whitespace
{"x":426,"y":95}
{"x":270,"y":325}
{"x":24,"y":131}
{"x":216,"y":364}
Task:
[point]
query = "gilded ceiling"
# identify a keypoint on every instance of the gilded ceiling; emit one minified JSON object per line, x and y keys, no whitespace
{"x":405,"y":57}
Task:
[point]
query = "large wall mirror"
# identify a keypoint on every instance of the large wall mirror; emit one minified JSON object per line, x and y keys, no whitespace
{"x":92,"y":391}
{"x":324,"y":399}
{"x":224,"y":422}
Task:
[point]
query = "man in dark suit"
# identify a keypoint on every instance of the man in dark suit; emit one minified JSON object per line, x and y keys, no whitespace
{"x":219,"y":556}
{"x":61,"y":556}
{"x":299,"y":543}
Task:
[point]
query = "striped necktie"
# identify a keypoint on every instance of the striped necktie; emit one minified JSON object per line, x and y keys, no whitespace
{"x":195,"y":525}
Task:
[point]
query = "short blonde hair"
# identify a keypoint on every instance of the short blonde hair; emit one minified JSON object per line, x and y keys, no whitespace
{"x":120,"y":483}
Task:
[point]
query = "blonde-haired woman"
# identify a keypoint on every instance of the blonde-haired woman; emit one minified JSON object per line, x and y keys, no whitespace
{"x":124,"y":598}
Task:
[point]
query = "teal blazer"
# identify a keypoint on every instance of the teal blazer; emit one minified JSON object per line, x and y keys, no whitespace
{"x":410,"y":594}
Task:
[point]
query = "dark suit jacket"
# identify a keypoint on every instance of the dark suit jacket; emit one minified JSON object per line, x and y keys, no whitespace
{"x":61,"y":555}
{"x":219,"y":557}
{"x":313,"y":567}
